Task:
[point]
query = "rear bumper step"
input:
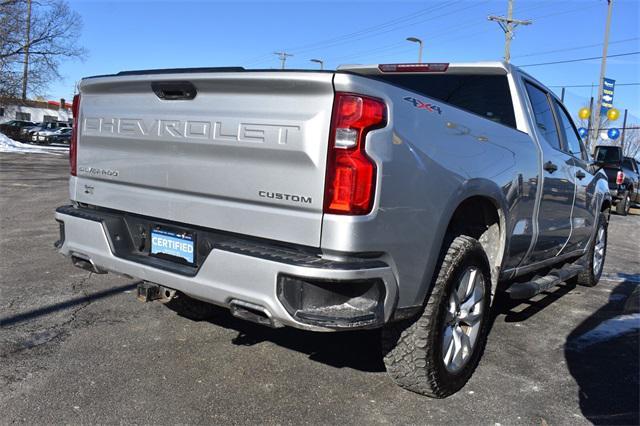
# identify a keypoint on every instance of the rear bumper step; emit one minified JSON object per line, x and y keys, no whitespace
{"x":528,"y":289}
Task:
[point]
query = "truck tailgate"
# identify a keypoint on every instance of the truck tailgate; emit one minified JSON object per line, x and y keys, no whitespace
{"x":247,"y":154}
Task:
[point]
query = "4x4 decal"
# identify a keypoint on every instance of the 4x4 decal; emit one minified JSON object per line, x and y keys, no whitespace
{"x":423,"y":105}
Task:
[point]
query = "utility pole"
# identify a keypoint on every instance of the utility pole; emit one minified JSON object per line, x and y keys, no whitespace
{"x":27,"y":45}
{"x":624,"y":130}
{"x":603,"y":69}
{"x":283,"y":57}
{"x":508,"y":25}
{"x":590,"y":126}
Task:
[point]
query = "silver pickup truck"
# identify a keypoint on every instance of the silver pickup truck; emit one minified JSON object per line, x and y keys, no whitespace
{"x":394,"y":196}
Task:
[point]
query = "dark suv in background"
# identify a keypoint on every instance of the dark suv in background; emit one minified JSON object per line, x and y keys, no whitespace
{"x":622,"y":175}
{"x":12,"y":128}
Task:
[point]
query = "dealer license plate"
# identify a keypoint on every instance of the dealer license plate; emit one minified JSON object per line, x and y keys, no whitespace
{"x":176,"y":244}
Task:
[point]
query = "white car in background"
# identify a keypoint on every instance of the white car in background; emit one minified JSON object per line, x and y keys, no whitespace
{"x":41,"y":136}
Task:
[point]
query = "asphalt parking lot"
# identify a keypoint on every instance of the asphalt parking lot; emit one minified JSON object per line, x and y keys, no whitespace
{"x":79,"y":348}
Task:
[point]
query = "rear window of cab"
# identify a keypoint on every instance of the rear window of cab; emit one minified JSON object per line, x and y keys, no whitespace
{"x":485,"y":95}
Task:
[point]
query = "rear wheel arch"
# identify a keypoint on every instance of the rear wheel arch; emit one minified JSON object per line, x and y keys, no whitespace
{"x":477,"y":211}
{"x":473,"y":191}
{"x":481,"y":217}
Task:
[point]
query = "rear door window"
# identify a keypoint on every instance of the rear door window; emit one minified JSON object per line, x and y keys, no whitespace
{"x":485,"y":95}
{"x":543,"y":116}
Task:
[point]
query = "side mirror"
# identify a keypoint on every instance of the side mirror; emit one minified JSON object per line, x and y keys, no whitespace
{"x":595,"y":166}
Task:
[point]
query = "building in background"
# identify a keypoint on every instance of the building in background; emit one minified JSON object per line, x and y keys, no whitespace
{"x":36,"y":111}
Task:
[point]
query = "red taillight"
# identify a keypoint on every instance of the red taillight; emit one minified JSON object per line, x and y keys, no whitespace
{"x":620,"y":178}
{"x":73,"y":146}
{"x":351,"y":174}
{"x":431,"y":67}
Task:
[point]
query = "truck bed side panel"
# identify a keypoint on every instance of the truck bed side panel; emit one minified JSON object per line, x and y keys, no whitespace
{"x":428,"y":163}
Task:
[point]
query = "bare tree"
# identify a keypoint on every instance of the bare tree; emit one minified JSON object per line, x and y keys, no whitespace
{"x":36,"y":42}
{"x":631,"y":146}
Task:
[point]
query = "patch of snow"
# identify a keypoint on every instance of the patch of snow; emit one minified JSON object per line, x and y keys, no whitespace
{"x":608,"y":330}
{"x":619,"y":278}
{"x":9,"y":145}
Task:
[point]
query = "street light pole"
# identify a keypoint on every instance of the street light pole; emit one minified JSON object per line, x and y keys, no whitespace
{"x":593,"y":138}
{"x":417,"y":40}
{"x":318,"y":61}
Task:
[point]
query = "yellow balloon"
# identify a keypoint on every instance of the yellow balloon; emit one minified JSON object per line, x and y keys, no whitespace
{"x":584,"y":113}
{"x":613,"y":114}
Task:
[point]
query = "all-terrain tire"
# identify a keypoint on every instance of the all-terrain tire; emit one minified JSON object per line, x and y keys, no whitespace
{"x":413,"y":349}
{"x":590,"y":277}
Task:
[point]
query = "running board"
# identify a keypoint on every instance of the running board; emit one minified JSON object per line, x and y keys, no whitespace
{"x":528,"y":289}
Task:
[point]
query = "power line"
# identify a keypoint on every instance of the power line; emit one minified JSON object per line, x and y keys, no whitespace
{"x":619,"y":128}
{"x":371,"y":34}
{"x":575,"y":48}
{"x":509,"y":24}
{"x":367,"y":33}
{"x":563,"y":12}
{"x":385,"y":48}
{"x":579,"y":60}
{"x":373,"y":28}
{"x":428,"y":38}
{"x":344,"y":37}
{"x":593,"y":85}
{"x":475,"y":33}
{"x":362,"y":33}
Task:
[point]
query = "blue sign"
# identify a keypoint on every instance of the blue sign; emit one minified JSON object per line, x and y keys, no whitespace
{"x":582,"y":132}
{"x":613,"y":134}
{"x":608,"y":85}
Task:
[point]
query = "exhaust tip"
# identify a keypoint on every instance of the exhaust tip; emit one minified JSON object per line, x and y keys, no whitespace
{"x":252,"y":312}
{"x":84,"y":262}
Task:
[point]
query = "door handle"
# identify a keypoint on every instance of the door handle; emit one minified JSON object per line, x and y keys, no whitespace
{"x":550,"y":167}
{"x":580,"y":174}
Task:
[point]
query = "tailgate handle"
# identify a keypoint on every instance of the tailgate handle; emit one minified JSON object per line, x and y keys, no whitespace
{"x":174,"y":90}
